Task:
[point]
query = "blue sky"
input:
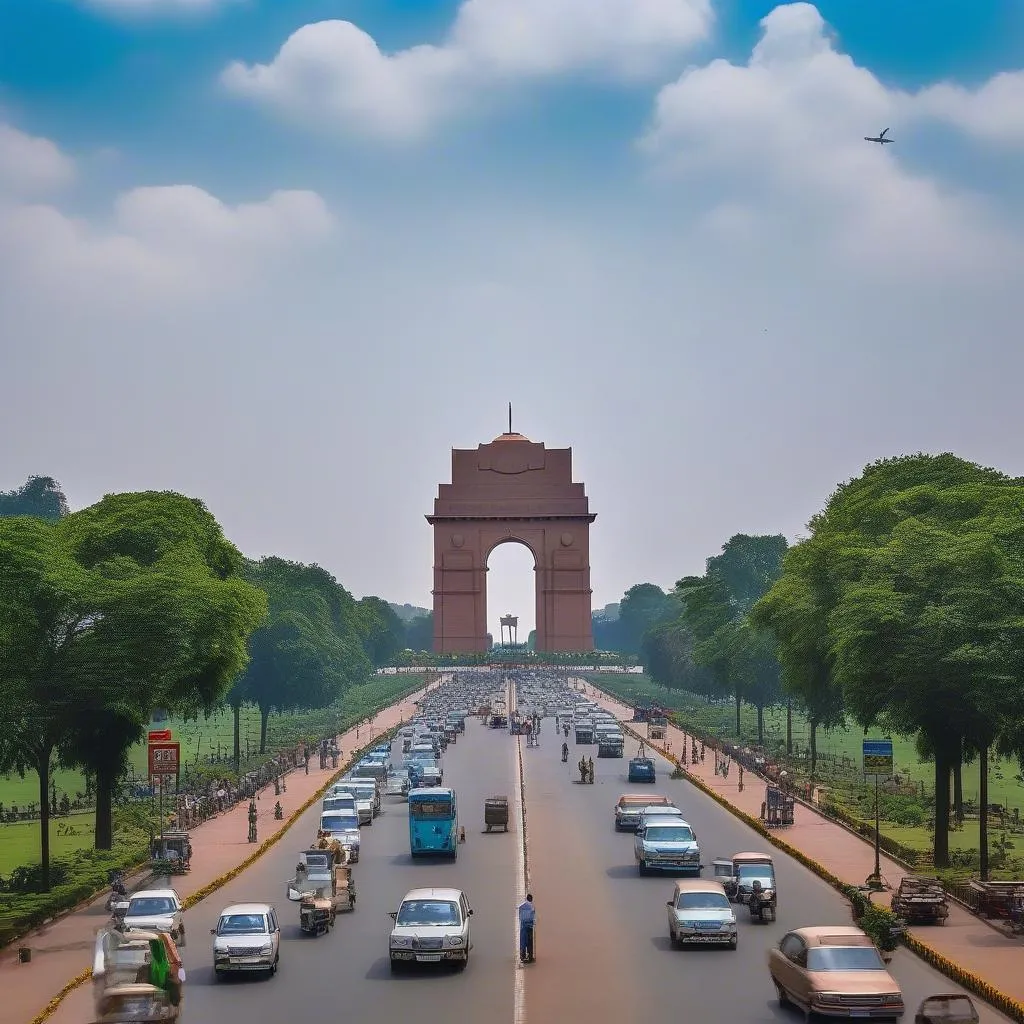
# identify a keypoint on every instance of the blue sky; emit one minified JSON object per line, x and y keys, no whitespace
{"x":689,"y":268}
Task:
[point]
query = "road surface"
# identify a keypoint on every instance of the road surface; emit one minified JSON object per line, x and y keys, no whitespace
{"x":602,"y":943}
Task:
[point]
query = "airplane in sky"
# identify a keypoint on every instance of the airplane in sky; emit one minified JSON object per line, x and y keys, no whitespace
{"x":880,"y":139}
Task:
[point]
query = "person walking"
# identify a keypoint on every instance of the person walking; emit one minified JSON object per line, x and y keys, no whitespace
{"x":527,"y":921}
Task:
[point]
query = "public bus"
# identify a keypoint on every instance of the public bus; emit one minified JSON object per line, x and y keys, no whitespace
{"x":433,"y":822}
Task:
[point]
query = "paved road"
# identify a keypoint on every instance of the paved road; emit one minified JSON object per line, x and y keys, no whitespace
{"x":603,"y":929}
{"x":603,"y":952}
{"x":346,"y":975}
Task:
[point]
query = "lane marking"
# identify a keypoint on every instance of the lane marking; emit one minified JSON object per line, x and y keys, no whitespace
{"x":522,"y":880}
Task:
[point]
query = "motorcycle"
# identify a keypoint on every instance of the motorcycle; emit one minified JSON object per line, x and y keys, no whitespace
{"x":118,"y":891}
{"x":761,"y":906}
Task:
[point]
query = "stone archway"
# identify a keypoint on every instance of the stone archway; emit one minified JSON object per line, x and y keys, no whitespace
{"x":512,"y":490}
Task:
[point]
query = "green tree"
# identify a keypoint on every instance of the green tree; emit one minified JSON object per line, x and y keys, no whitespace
{"x":643,"y":606}
{"x":383,"y":630}
{"x":39,"y":496}
{"x":419,"y":633}
{"x":667,"y":656}
{"x":308,"y":650}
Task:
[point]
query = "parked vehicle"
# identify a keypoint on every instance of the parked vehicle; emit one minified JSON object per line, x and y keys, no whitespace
{"x":247,"y":939}
{"x":431,"y":925}
{"x":835,"y":971}
{"x":699,"y":912}
{"x":921,"y":900}
{"x":171,"y":853}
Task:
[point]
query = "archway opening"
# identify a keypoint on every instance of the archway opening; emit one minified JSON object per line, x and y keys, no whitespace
{"x":511,"y":590}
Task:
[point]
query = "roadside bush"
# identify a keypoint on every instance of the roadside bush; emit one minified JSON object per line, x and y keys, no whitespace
{"x":879,"y":923}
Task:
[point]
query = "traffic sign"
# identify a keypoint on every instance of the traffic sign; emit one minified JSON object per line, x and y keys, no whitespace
{"x":164,"y":758}
{"x":878,"y":757}
{"x":160,"y":736}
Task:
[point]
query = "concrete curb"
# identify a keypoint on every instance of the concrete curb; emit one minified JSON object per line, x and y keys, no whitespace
{"x":208,"y":890}
{"x":970,"y":981}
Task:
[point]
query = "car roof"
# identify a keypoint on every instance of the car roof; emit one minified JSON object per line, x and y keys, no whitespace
{"x":674,"y":821}
{"x":246,"y":908}
{"x":432,"y":791}
{"x":648,"y":799}
{"x":156,"y":892}
{"x":433,"y":894}
{"x":833,"y":935}
{"x":698,"y":885}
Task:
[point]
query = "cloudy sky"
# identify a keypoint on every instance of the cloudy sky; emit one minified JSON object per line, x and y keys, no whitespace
{"x":284,"y":256}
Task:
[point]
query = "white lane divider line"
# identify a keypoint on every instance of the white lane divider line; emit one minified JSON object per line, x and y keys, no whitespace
{"x":522,"y":881}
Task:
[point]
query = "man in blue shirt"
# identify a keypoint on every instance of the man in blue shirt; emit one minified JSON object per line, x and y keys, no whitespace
{"x":527,"y":919}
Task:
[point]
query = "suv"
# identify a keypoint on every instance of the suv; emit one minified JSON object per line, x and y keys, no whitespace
{"x":431,"y":925}
{"x":667,"y":844}
{"x":247,"y":938}
{"x":156,"y":910}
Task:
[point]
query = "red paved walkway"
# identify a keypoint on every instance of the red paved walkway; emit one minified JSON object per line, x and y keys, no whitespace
{"x":964,"y":938}
{"x":63,"y":949}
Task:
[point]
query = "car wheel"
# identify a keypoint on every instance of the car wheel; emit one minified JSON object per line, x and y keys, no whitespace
{"x":218,"y":974}
{"x":180,"y":940}
{"x":396,"y":965}
{"x":734,"y":944}
{"x":461,"y":965}
{"x":781,"y":993}
{"x":273,"y":966}
{"x":672,"y":940}
{"x":642,"y":867}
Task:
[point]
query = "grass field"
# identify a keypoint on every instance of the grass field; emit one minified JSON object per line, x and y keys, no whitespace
{"x":207,"y":737}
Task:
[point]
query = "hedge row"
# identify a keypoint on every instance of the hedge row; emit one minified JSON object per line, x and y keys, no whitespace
{"x":967,"y":979}
{"x":223,"y":880}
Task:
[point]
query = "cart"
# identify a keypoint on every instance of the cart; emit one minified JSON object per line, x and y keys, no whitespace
{"x":947,"y":1009}
{"x":778,"y":808}
{"x":657,"y":725}
{"x":921,"y":900}
{"x":496,"y":813}
{"x":171,"y":854}
{"x":321,"y":887}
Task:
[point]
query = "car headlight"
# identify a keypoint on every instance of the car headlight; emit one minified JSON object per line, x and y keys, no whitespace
{"x":266,"y":949}
{"x":399,"y":940}
{"x":827,"y":997}
{"x":455,"y":940}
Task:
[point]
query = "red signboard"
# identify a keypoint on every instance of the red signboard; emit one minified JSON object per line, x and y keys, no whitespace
{"x":164,"y":758}
{"x":160,"y":736}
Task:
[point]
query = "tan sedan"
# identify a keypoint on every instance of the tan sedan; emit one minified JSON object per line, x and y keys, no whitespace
{"x":835,"y":972}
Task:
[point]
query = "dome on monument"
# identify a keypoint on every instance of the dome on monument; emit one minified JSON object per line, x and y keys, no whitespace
{"x":510,"y":437}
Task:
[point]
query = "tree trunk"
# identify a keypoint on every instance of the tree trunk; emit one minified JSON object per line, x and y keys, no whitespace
{"x":942,"y":769}
{"x":814,"y":750}
{"x":958,"y":789}
{"x":103,"y":832}
{"x":264,"y":718}
{"x":760,"y":726}
{"x":983,"y":811}
{"x":789,"y":727}
{"x":236,"y":714}
{"x":739,"y":705}
{"x":43,"y":771}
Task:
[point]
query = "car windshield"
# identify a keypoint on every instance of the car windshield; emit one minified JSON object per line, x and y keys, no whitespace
{"x":439,"y":913}
{"x":668,"y":834}
{"x":339,"y":822}
{"x":844,"y":958}
{"x":151,"y":906}
{"x":702,"y":901}
{"x":242,"y":924}
{"x":437,"y":807}
{"x":339,"y":803}
{"x":750,"y":873}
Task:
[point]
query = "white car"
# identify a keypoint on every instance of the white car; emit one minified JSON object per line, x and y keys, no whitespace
{"x":431,"y":925}
{"x":156,"y":910}
{"x":700,"y":913}
{"x":247,"y":938}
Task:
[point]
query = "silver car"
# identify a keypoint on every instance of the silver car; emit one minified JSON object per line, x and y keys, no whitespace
{"x":344,"y":827}
{"x":431,"y":925}
{"x":667,"y":845}
{"x":247,"y":938}
{"x":156,"y":910}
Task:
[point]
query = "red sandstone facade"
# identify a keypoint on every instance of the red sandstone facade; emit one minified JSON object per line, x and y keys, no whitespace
{"x":512,"y":490}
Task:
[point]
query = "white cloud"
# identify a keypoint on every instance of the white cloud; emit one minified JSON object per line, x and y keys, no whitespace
{"x":333,"y":74}
{"x":30,"y":165}
{"x":994,"y":112}
{"x":159,"y":243}
{"x":785,"y":132}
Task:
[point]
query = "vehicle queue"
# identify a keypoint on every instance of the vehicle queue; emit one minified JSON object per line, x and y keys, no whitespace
{"x":825,"y":970}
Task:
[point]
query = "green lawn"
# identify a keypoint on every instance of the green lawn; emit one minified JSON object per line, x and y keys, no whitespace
{"x":19,"y":842}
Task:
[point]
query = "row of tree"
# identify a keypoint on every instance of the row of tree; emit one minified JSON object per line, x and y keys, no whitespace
{"x":902,"y":611}
{"x":140,"y":603}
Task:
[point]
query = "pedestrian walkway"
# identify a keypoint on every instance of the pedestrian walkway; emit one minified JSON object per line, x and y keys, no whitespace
{"x":964,"y":939}
{"x":62,"y":949}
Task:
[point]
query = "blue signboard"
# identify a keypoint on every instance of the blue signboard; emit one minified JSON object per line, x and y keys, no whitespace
{"x":878,"y":758}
